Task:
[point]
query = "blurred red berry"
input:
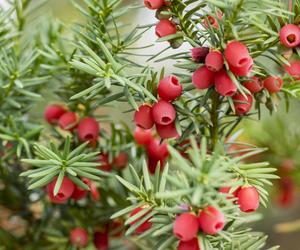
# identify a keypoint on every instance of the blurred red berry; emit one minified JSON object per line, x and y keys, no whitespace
{"x":186,"y":227}
{"x":203,"y":78}
{"x":79,"y":237}
{"x":121,"y":160}
{"x":103,"y":159}
{"x":142,"y":136}
{"x":144,"y":226}
{"x":210,"y":21}
{"x":242,"y":104}
{"x":68,"y":121}
{"x":293,"y":69}
{"x":164,"y":28}
{"x":153,"y":4}
{"x":169,"y":88}
{"x":53,"y":112}
{"x":88,"y":129}
{"x":290,"y":35}
{"x":254,"y":85}
{"x":189,"y":245}
{"x":143,"y":117}
{"x":211,"y":220}
{"x":273,"y":84}
{"x":101,"y":241}
{"x":80,"y":193}
{"x":167,"y":131}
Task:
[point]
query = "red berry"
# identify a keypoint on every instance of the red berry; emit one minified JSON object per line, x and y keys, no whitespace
{"x":68,"y":121}
{"x":273,"y":84}
{"x":143,"y":117}
{"x":242,"y":104}
{"x":203,"y":78}
{"x":199,"y":54}
{"x":53,"y":113}
{"x":293,"y":69}
{"x":288,"y":193}
{"x":153,"y":4}
{"x":157,"y":151}
{"x":167,"y":131}
{"x":163,"y":113}
{"x":254,"y":85}
{"x":79,"y":193}
{"x":210,"y":21}
{"x":88,"y":129}
{"x":214,"y":61}
{"x":79,"y":237}
{"x":142,"y":136}
{"x":243,"y":70}
{"x":165,"y":28}
{"x":116,"y":228}
{"x":169,"y":88}
{"x":104,"y":162}
{"x":248,"y":199}
{"x":94,"y":192}
{"x":101,"y":240}
{"x":186,"y":227}
{"x":146,"y":225}
{"x":121,"y":160}
{"x":224,"y":85}
{"x":189,"y":245}
{"x":236,"y":54}
{"x":64,"y":193}
{"x":211,"y":220}
{"x":290,"y":35}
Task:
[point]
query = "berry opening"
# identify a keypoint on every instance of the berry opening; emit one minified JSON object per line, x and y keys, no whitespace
{"x":241,"y":110}
{"x":174,"y":80}
{"x":249,"y":210}
{"x":89,"y":137}
{"x":60,"y":195}
{"x":166,"y":119}
{"x":158,"y":33}
{"x":291,"y":38}
{"x":219,"y":226}
{"x":178,"y":235}
{"x":243,"y":61}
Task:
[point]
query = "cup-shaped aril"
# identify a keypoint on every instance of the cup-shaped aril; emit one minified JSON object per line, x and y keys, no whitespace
{"x":186,"y":227}
{"x":164,"y":28}
{"x":167,"y":131}
{"x":64,"y":193}
{"x":163,"y":113}
{"x":53,"y":112}
{"x":88,"y":129}
{"x":236,"y":54}
{"x":189,"y":245}
{"x":211,"y":220}
{"x":214,"y":61}
{"x":143,"y":117}
{"x":169,"y":88}
{"x":242,"y":104}
{"x":273,"y":84}
{"x":68,"y":121}
{"x":248,"y":199}
{"x":154,"y":4}
{"x":144,"y":226}
{"x":293,"y":69}
{"x":254,"y":85}
{"x":224,"y":85}
{"x":203,"y":78}
{"x":79,"y":237}
{"x":290,"y":35}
